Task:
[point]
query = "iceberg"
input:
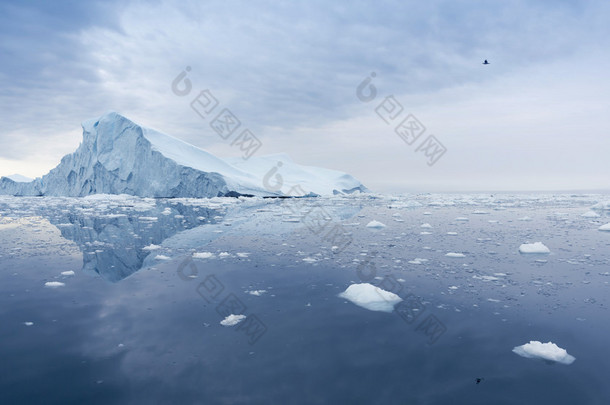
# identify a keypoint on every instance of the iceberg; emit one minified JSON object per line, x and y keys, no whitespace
{"x":370,"y":297}
{"x":605,"y":227}
{"x":118,"y":156}
{"x":545,"y":351}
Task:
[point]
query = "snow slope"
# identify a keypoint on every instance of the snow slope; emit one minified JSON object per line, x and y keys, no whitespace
{"x":118,"y":156}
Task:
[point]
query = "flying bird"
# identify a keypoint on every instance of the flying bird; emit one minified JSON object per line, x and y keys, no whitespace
{"x":486,"y":63}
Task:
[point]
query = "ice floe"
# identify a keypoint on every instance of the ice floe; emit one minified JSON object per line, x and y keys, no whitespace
{"x":604,"y":227}
{"x":203,"y":255}
{"x":545,"y":351}
{"x":370,"y":297}
{"x":375,"y":225}
{"x":232,"y":320}
{"x":590,"y":214}
{"x":67,"y":273}
{"x":54,"y":284}
{"x":537,"y":247}
{"x":456,"y":255}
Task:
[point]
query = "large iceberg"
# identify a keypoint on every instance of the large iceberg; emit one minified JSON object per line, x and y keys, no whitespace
{"x":118,"y":156}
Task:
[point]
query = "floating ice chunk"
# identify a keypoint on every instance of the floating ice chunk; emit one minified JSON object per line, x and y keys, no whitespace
{"x":526,"y":218}
{"x":310,"y":260}
{"x":375,"y":225}
{"x":28,"y":323}
{"x":453,"y":287}
{"x":54,"y":284}
{"x":452,"y":254}
{"x":151,"y":247}
{"x":462,"y":219}
{"x":258,"y":293}
{"x":242,"y":254}
{"x":203,"y":255}
{"x":67,"y":273}
{"x":370,"y":297}
{"x":452,"y":233}
{"x":590,"y":214}
{"x":479,"y":212}
{"x":545,"y":351}
{"x":222,"y":255}
{"x":417,"y":260}
{"x":426,"y":225}
{"x":232,"y":320}
{"x":425,"y":233}
{"x":603,"y":205}
{"x":162,"y":257}
{"x":537,"y":247}
{"x":604,"y":227}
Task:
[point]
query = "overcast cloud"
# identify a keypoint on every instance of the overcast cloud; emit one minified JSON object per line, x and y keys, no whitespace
{"x":536,"y":118}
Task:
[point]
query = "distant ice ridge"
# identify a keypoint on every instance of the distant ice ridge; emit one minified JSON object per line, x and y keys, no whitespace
{"x":118,"y":156}
{"x":370,"y":297}
{"x":545,"y":351}
{"x":537,"y":247}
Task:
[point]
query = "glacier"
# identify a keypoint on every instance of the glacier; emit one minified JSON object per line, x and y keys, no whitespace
{"x":118,"y":156}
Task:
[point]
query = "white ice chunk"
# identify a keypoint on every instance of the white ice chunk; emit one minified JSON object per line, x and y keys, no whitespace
{"x":54,"y":284}
{"x":232,"y":320}
{"x":590,"y":214}
{"x":151,"y":247}
{"x":370,"y":297}
{"x":375,"y":225}
{"x":162,"y":257}
{"x":426,"y":225}
{"x":456,"y":255}
{"x":546,"y":351}
{"x":203,"y":255}
{"x":604,"y":227}
{"x":537,"y":247}
{"x":67,"y":273}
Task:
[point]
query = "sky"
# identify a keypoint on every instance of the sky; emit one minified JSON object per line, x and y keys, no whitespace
{"x":537,"y":118}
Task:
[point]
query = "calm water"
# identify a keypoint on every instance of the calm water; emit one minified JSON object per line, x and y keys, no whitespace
{"x":139,"y":321}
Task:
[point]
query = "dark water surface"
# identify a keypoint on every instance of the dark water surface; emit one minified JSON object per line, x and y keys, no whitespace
{"x":139,"y":321}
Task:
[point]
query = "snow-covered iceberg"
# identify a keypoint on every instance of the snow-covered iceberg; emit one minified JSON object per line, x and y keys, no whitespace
{"x":118,"y":156}
{"x":546,"y":351}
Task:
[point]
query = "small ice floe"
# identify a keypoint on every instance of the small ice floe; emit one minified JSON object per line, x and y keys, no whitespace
{"x":242,"y":255}
{"x":203,"y":255}
{"x":417,"y":260}
{"x":603,"y":205}
{"x":54,"y":284}
{"x":545,"y":351}
{"x":590,"y":214}
{"x":258,"y":293}
{"x":151,"y":247}
{"x":604,"y":227}
{"x":232,"y":320}
{"x":453,"y":287}
{"x":370,"y":297}
{"x":310,"y":260}
{"x":456,"y":255}
{"x":479,"y":212}
{"x":28,"y":323}
{"x":223,"y":255}
{"x":162,"y":257}
{"x":425,"y":233}
{"x":526,"y":218}
{"x":426,"y":225}
{"x":375,"y":225}
{"x":452,"y":233}
{"x":537,"y":247}
{"x":67,"y":273}
{"x":461,"y":219}
{"x":427,"y":213}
